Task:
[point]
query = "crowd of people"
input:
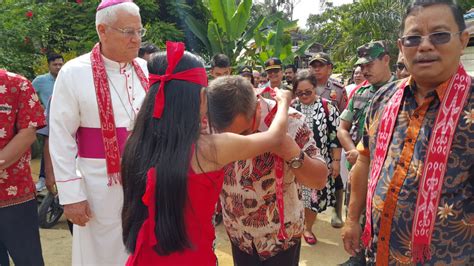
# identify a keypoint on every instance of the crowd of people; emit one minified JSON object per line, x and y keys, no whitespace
{"x":147,"y":155}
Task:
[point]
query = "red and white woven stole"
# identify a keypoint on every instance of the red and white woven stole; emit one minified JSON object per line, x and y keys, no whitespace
{"x":106,"y":113}
{"x":434,"y":168}
{"x":279,"y":173}
{"x":431,"y":181}
{"x":385,"y":131}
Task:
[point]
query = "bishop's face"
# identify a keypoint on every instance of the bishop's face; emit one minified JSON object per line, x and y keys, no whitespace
{"x":121,"y":39}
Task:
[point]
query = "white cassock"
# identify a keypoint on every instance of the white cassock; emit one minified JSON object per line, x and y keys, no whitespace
{"x":75,"y":130}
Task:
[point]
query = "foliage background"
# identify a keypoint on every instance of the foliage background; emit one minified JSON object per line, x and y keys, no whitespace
{"x":29,"y":29}
{"x":340,"y":30}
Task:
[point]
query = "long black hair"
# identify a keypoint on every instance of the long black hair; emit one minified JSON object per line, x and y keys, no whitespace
{"x":165,"y":144}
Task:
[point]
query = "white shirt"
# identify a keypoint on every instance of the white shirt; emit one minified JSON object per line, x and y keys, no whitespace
{"x":74,"y":105}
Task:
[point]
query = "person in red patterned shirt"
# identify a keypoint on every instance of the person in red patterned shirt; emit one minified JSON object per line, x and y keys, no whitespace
{"x":20,"y":115}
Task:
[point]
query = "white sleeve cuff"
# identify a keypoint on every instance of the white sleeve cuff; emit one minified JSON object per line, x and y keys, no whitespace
{"x":71,"y":190}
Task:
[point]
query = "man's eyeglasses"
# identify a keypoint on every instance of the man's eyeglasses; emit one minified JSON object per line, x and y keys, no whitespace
{"x":130,"y":32}
{"x":436,"y":38}
{"x":399,"y":66}
{"x":303,"y":93}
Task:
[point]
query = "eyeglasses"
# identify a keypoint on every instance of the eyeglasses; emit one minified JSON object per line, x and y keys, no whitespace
{"x":436,"y":38}
{"x":399,"y":66}
{"x":303,"y":93}
{"x":130,"y":32}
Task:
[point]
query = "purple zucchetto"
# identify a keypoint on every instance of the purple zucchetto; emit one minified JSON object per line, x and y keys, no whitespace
{"x":108,"y":3}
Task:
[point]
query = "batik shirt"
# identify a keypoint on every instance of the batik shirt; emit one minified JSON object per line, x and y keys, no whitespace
{"x":249,"y":195}
{"x":453,"y":234}
{"x":19,"y":109}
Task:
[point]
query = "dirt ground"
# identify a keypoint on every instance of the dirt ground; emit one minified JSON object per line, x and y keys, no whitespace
{"x":56,"y":243}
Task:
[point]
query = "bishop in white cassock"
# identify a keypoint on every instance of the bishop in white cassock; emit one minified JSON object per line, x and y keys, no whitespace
{"x":96,"y":99}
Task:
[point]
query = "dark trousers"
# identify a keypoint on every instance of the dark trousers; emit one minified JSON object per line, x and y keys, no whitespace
{"x":338,"y":184}
{"x":41,"y":173}
{"x":289,"y":257}
{"x":19,"y":235}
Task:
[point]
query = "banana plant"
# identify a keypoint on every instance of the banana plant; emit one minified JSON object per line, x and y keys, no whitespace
{"x":228,"y":31}
{"x":272,"y":38}
{"x":225,"y":31}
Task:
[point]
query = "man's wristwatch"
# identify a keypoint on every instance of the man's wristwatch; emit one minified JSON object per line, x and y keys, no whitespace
{"x":296,"y":162}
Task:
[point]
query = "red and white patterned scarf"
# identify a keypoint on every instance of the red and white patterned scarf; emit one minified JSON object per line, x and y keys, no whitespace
{"x":106,"y":113}
{"x":279,"y":171}
{"x":431,"y":181}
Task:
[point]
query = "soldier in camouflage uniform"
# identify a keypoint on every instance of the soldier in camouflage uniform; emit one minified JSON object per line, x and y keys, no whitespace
{"x":330,"y":89}
{"x":375,"y":64}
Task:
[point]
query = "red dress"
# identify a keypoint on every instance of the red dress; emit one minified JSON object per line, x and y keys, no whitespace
{"x":203,"y":192}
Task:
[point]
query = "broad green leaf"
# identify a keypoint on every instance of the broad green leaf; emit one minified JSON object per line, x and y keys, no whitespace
{"x":215,"y":39}
{"x":198,"y":29}
{"x":230,"y":7}
{"x":246,"y":39}
{"x":240,"y":19}
{"x":277,"y":39}
{"x":219,"y":14}
{"x":302,"y":47}
{"x":264,"y":56}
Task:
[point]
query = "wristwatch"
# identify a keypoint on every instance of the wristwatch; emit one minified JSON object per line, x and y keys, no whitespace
{"x":296,"y":162}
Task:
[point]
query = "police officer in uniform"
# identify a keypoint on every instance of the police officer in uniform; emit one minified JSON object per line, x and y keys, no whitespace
{"x":328,"y":88}
{"x":274,"y":70}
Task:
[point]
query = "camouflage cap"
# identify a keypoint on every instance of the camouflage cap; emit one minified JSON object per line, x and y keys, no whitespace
{"x":370,"y":51}
{"x":273,"y":63}
{"x":321,"y":57}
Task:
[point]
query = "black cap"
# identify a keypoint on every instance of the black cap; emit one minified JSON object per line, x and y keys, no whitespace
{"x":321,"y":57}
{"x":273,"y":63}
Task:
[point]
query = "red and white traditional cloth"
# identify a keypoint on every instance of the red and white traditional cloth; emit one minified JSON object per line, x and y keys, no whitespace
{"x":431,"y":180}
{"x":249,"y":194}
{"x":19,"y":109}
{"x":78,"y":153}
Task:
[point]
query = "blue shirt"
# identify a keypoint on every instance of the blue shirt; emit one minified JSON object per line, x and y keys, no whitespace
{"x":44,"y":85}
{"x":45,"y":130}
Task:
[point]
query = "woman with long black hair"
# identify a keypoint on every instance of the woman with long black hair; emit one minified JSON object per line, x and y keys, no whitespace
{"x":172,"y":170}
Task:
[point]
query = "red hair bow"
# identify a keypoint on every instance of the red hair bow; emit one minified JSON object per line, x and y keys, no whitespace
{"x":174,"y":53}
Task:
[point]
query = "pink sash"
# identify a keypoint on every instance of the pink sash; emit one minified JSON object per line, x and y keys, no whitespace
{"x":90,"y":144}
{"x":431,"y":181}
